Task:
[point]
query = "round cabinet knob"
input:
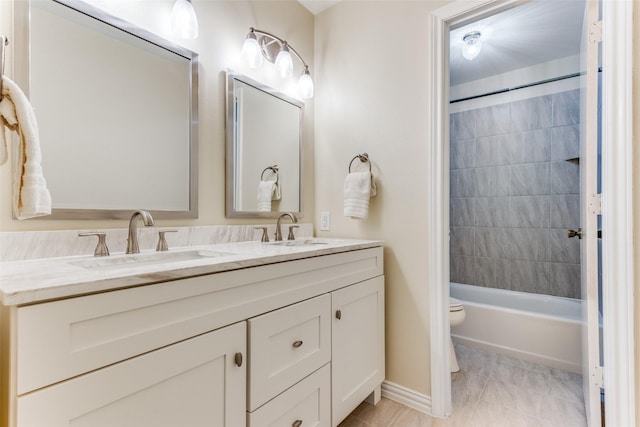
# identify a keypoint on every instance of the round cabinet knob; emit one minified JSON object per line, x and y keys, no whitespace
{"x":338,"y":314}
{"x":238,"y":359}
{"x":297,"y":344}
{"x":296,"y":423}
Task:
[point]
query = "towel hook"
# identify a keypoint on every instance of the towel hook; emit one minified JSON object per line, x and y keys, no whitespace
{"x":364,"y":157}
{"x":4,"y":41}
{"x":274,"y":169}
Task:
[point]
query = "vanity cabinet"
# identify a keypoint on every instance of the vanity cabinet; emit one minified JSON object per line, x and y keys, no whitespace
{"x":253,"y":346}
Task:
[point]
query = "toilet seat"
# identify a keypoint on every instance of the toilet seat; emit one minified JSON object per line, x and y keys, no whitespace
{"x":455,"y":305}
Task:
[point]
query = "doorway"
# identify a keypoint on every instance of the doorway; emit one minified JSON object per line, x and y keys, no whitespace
{"x":617,"y":328}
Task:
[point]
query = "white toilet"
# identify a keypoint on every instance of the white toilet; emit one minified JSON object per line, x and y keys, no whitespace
{"x":456,"y":316}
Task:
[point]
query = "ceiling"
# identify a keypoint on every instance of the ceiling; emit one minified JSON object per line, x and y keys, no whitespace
{"x":536,"y":32}
{"x":317,"y":6}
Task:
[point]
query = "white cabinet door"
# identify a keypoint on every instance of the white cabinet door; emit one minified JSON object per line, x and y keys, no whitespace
{"x":357,"y":362}
{"x":197,"y":382}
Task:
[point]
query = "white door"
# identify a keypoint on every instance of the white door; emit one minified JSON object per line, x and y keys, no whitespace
{"x":589,"y":211}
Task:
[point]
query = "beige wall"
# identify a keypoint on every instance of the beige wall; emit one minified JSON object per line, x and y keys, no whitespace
{"x":372,"y":80}
{"x":223,"y":27}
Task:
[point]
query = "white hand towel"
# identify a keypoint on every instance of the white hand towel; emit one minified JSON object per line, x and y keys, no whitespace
{"x":266,"y":192}
{"x":31,"y":198}
{"x":357,"y":190}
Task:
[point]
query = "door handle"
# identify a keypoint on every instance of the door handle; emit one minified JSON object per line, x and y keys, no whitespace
{"x":573,"y":233}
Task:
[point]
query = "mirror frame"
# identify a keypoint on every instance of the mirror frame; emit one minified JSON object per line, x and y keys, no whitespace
{"x":22,"y":54}
{"x":230,"y":188}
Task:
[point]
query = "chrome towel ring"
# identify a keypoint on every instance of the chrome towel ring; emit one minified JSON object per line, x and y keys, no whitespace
{"x":364,"y":158}
{"x":274,"y":169}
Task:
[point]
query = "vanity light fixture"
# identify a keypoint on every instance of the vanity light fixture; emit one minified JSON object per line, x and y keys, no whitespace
{"x":472,"y":45}
{"x":278,"y":52}
{"x":184,"y":22}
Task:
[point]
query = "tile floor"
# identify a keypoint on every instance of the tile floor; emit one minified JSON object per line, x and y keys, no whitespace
{"x":491,"y":390}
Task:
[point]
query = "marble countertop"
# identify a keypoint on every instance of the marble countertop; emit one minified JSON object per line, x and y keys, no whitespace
{"x":31,"y":281}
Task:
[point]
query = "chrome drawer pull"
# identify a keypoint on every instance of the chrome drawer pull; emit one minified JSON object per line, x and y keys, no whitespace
{"x":238,"y":359}
{"x":296,"y":423}
{"x":297,"y":344}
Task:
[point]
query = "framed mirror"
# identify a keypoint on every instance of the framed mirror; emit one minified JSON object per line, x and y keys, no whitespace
{"x":116,"y":108}
{"x":264,"y":129}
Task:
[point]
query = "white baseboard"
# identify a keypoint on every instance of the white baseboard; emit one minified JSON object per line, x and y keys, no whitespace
{"x":407,"y":397}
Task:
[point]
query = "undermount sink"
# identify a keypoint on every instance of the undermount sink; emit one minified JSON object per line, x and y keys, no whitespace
{"x":147,"y":258}
{"x":301,"y":242}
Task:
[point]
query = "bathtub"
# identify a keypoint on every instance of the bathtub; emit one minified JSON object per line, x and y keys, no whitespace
{"x":538,"y":328}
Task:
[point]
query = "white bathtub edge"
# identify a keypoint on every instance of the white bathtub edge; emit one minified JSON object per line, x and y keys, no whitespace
{"x":519,"y":354}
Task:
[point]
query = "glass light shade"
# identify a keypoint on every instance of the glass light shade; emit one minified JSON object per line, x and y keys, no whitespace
{"x":251,"y":52}
{"x":305,"y":84}
{"x":472,"y":46}
{"x":284,"y":63}
{"x":184,"y":21}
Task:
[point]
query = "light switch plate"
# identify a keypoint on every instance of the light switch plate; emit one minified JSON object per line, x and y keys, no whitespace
{"x":325,"y":221}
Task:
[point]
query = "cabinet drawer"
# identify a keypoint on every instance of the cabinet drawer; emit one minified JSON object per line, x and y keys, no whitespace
{"x":287,"y":345}
{"x":306,"y":404}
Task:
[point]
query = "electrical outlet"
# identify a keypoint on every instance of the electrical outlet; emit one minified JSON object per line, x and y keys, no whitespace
{"x":325,"y":221}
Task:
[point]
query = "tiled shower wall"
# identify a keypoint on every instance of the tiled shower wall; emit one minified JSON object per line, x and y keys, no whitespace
{"x":514,"y":193}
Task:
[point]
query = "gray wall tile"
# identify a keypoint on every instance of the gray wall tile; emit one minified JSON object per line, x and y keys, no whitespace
{"x":495,"y":150}
{"x":463,"y":269}
{"x":565,"y":280}
{"x":492,"y":181}
{"x":462,"y":125}
{"x":492,"y":212}
{"x":491,"y":242}
{"x":529,"y":179}
{"x":462,"y":154}
{"x":529,"y":211}
{"x":463,"y":183}
{"x":566,"y":107}
{"x":462,"y":212}
{"x":565,"y":211}
{"x":536,"y":146}
{"x":562,"y":248}
{"x":530,"y":276}
{"x":461,"y":240}
{"x":565,"y":142}
{"x":513,"y":195}
{"x":493,"y":120}
{"x":565,"y":178}
{"x":532,"y":113}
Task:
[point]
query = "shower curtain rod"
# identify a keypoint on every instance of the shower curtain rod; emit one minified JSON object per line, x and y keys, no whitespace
{"x":540,"y":82}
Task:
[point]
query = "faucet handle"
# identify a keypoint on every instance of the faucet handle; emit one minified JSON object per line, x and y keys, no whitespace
{"x":291,"y":236}
{"x":101,"y":248}
{"x":162,"y":242}
{"x":265,"y":236}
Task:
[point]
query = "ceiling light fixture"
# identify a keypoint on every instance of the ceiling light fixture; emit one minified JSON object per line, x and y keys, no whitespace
{"x":472,"y":45}
{"x":278,"y":52}
{"x":184,"y":22}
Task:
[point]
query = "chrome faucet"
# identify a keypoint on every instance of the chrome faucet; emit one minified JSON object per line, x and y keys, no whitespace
{"x":132,"y":240}
{"x":278,"y":229}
